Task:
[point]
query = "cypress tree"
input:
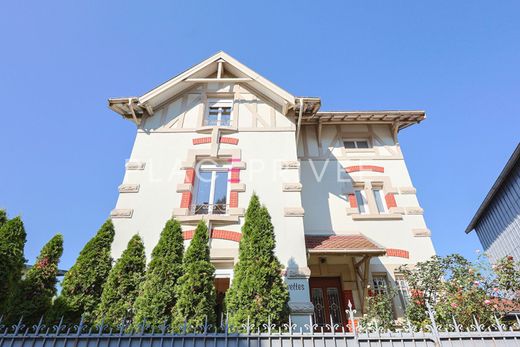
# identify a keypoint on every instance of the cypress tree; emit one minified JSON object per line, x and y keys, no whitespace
{"x":195,"y":290}
{"x":122,"y":286}
{"x":83,"y":283}
{"x":12,"y":261}
{"x":258,"y":292}
{"x":157,"y":295}
{"x":33,"y":298}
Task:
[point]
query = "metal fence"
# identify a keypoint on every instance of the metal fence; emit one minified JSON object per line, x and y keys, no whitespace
{"x":125,"y":335}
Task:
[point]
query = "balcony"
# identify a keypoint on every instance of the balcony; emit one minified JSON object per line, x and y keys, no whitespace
{"x":219,"y":214}
{"x":209,"y":209}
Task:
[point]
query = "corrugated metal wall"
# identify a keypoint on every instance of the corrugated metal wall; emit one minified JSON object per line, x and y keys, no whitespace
{"x":499,"y":227}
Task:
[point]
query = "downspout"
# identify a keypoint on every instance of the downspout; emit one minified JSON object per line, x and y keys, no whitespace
{"x":298,"y":127}
{"x":136,"y":121}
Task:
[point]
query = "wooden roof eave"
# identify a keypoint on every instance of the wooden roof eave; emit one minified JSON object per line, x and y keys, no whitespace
{"x":353,"y":252}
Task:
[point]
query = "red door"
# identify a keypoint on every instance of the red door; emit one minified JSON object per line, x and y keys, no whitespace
{"x":327,"y":300}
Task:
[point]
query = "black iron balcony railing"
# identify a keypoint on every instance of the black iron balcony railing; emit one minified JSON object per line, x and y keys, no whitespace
{"x":209,"y":209}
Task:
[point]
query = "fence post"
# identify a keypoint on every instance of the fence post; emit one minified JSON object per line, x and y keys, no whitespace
{"x":351,"y":312}
{"x":435,"y":332}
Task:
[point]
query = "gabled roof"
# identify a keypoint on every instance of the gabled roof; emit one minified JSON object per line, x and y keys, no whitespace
{"x":221,"y":67}
{"x":202,"y":72}
{"x":504,"y":175}
{"x":352,"y":244}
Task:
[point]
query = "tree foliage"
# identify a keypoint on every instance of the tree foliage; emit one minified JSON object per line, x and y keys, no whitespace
{"x":3,"y":217}
{"x":456,"y":288}
{"x":83,"y":283}
{"x":258,"y":293}
{"x":12,"y":243}
{"x":33,"y":298}
{"x":196,"y":297}
{"x":122,"y":286}
{"x":157,"y":294}
{"x":379,"y":311}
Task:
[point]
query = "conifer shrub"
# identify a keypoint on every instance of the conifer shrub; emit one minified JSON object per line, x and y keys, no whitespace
{"x":258,"y":294}
{"x":12,"y":261}
{"x":156,"y":299}
{"x":33,"y":297}
{"x":122,"y":286}
{"x":83,"y":284}
{"x":195,"y":291}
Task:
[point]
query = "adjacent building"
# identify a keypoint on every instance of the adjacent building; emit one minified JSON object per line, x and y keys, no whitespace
{"x":345,"y":211}
{"x":497,"y":221}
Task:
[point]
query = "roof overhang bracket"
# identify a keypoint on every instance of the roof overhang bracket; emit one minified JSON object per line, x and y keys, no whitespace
{"x":361,"y":268}
{"x":137,"y":121}
{"x":395,"y":129}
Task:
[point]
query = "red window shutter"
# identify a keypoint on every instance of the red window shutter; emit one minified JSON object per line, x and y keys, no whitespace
{"x":352,"y":200}
{"x":390,"y":200}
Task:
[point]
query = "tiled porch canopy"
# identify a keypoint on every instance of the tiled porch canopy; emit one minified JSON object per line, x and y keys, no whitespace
{"x":352,"y":244}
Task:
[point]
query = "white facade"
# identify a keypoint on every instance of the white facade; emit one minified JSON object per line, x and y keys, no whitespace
{"x":220,"y":116}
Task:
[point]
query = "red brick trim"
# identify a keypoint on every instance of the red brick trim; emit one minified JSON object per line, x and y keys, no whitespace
{"x":216,"y":234}
{"x":235,"y":175}
{"x":188,"y":235}
{"x":352,"y":200}
{"x":186,"y":200}
{"x":394,"y":252}
{"x":229,"y":140}
{"x":372,"y":168}
{"x":390,"y":200}
{"x":233,"y":199}
{"x":201,"y":140}
{"x":226,"y":235}
{"x":190,"y":175}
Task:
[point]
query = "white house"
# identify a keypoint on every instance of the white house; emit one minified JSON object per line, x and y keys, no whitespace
{"x":344,"y":208}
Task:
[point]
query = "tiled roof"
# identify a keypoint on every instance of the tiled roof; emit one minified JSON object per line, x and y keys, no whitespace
{"x":347,"y":243}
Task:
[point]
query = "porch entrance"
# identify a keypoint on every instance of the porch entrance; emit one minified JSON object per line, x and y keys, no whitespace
{"x":327,"y":299}
{"x":221,"y":286}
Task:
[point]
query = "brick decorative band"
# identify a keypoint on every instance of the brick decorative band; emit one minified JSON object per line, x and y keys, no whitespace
{"x":390,"y":200}
{"x":229,"y":140}
{"x":233,"y":199}
{"x":235,"y":175}
{"x":186,"y":200}
{"x":352,"y":200}
{"x":201,"y":140}
{"x":190,"y":176}
{"x":394,"y":252}
{"x":372,"y":168}
{"x":223,"y":139}
{"x":216,"y":234}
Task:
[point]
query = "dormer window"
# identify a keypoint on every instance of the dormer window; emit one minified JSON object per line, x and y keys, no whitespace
{"x":219,"y":112}
{"x":356,"y":143}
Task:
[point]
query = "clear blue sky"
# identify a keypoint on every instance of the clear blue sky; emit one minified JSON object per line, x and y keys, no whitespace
{"x":63,"y":150}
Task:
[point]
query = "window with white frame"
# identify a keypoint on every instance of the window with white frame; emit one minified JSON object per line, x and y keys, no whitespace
{"x":379,"y":200}
{"x":219,"y":112}
{"x":361,"y":200}
{"x":403,"y":290}
{"x":380,"y":284}
{"x":211,"y":188}
{"x":356,"y":143}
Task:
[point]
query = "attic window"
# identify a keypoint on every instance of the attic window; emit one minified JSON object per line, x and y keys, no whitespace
{"x":219,"y":112}
{"x":356,"y":143}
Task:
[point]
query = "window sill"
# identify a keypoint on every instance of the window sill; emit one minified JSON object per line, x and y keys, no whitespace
{"x":214,"y":218}
{"x":207,"y":129}
{"x":387,"y":216}
{"x":360,"y":150}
